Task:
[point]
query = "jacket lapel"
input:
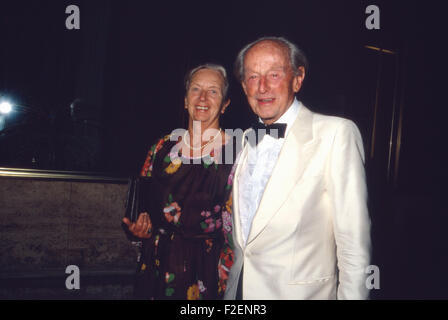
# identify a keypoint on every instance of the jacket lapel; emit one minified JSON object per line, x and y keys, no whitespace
{"x":237,"y":235}
{"x":293,"y":159}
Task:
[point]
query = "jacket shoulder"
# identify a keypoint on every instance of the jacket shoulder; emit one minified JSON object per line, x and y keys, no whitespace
{"x":329,"y":123}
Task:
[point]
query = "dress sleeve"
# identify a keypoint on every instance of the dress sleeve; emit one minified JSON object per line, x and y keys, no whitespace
{"x":146,"y":171}
{"x":151,"y":156}
{"x":226,"y":258}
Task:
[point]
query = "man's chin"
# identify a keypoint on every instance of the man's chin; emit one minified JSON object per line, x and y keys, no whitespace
{"x":265,"y":113}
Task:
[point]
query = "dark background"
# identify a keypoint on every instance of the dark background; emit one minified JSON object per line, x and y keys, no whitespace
{"x":125,"y":68}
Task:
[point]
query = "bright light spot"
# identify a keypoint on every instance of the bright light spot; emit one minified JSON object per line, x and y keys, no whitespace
{"x":5,"y":107}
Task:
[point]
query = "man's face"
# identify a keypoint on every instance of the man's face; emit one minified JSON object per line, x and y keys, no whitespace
{"x":269,"y":81}
{"x":204,"y":100}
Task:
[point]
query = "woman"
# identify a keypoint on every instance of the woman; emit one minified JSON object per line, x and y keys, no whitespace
{"x":187,"y":232}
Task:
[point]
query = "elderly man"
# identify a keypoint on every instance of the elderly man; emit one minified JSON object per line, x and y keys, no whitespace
{"x":301,"y":225}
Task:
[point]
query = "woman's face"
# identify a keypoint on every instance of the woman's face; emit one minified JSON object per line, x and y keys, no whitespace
{"x":204,"y":100}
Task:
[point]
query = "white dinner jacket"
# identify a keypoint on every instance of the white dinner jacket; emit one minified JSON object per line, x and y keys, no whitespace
{"x":310,"y":237}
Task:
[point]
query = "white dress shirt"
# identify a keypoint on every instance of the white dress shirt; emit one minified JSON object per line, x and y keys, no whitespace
{"x":257,"y":170}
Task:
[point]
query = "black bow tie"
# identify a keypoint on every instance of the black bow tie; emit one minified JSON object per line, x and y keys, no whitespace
{"x":275,"y":130}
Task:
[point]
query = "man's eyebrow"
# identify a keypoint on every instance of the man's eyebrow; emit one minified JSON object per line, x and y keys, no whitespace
{"x":282,"y":68}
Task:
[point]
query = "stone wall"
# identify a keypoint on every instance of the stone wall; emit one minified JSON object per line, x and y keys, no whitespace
{"x":46,"y":225}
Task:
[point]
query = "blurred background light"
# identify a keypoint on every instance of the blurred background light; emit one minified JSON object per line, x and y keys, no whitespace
{"x":5,"y":107}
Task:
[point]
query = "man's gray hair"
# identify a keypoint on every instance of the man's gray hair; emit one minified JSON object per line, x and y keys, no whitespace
{"x":297,"y":57}
{"x":212,"y":66}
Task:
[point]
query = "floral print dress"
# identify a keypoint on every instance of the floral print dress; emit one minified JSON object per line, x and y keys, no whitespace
{"x":189,"y":253}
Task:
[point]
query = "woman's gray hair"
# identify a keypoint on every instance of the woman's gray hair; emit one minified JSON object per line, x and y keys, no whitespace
{"x":212,"y":66}
{"x":297,"y":57}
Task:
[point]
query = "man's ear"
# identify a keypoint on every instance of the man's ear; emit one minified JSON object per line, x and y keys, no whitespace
{"x":298,"y":79}
{"x":225,"y":105}
{"x":186,"y":104}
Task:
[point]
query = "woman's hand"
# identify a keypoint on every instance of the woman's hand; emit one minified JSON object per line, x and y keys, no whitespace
{"x":142,"y":228}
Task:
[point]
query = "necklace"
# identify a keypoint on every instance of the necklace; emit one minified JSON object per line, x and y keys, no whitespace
{"x":200,"y":148}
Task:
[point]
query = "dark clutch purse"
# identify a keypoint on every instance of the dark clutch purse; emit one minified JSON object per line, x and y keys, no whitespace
{"x":137,"y":199}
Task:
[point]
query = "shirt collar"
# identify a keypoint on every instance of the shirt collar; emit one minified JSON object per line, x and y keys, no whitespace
{"x":289,"y":116}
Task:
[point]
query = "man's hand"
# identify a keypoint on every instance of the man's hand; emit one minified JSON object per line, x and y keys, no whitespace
{"x":142,"y":228}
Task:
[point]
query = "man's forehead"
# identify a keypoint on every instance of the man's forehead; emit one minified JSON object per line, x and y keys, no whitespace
{"x":269,"y":51}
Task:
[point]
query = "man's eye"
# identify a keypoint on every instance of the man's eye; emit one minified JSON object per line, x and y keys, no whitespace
{"x":274,"y":75}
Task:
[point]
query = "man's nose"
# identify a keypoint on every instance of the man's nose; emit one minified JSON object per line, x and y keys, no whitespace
{"x":203,"y":95}
{"x":263,"y":85}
